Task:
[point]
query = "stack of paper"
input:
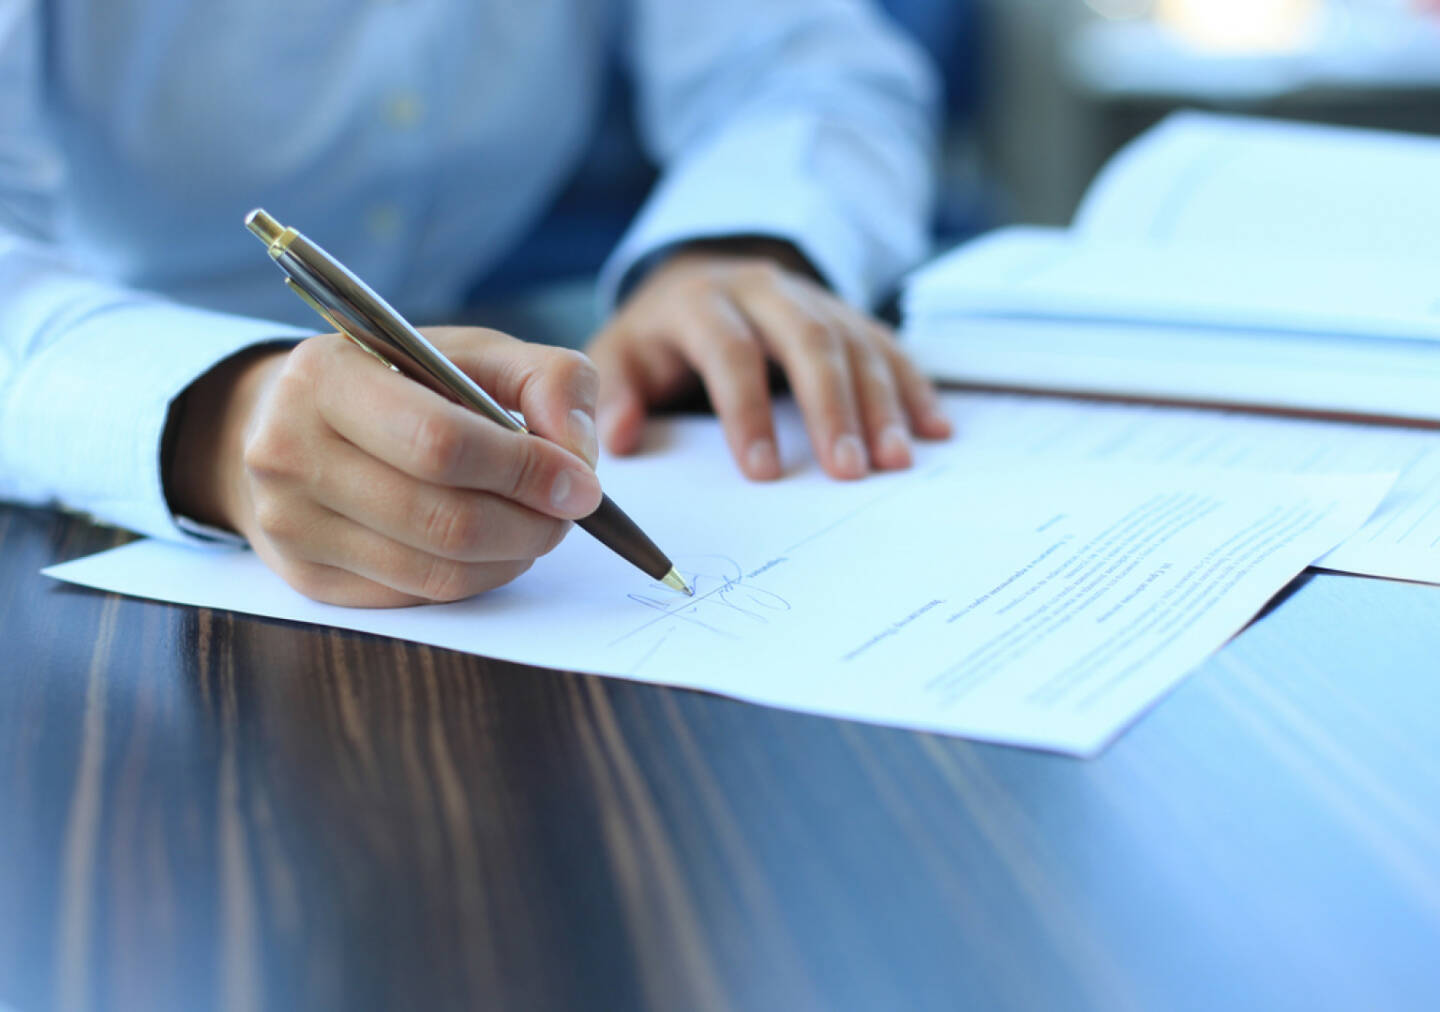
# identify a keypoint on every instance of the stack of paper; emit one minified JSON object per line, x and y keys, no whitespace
{"x":1217,"y":260}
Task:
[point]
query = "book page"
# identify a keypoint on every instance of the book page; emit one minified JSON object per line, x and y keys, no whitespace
{"x":1205,"y":179}
{"x":1035,"y":272}
{"x":1044,"y":606}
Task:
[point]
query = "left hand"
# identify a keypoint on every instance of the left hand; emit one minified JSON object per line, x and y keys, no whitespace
{"x":719,"y":316}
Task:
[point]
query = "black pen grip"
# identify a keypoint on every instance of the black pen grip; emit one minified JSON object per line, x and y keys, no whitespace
{"x":614,"y":529}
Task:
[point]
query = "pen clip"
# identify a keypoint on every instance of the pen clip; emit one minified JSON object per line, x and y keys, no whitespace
{"x":339,"y":327}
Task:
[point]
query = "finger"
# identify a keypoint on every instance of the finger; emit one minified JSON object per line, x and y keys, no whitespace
{"x":620,"y":412}
{"x":883,"y":416}
{"x":436,"y":441}
{"x":339,"y":543}
{"x":635,"y":373}
{"x":727,"y":353}
{"x":554,"y":388}
{"x":817,"y":365}
{"x":331,"y":585}
{"x":448,"y":522}
{"x":922,"y":405}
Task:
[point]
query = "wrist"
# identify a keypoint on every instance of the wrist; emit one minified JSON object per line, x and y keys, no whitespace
{"x":204,"y":479}
{"x":778,"y":251}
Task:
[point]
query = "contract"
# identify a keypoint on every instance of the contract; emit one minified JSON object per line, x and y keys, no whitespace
{"x":1400,"y":541}
{"x":1045,"y":606}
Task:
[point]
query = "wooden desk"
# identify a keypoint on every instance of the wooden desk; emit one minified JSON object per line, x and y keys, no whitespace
{"x":204,"y":810}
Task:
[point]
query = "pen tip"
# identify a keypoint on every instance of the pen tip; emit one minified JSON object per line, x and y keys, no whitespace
{"x":675,"y":581}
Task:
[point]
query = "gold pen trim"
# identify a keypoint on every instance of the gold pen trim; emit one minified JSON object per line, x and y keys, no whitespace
{"x":675,"y":581}
{"x":276,"y":237}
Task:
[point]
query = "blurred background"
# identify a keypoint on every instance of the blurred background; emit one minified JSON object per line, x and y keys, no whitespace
{"x":1041,"y":92}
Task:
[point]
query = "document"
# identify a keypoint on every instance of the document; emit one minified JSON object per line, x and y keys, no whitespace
{"x":1401,"y":540}
{"x":1035,"y":602}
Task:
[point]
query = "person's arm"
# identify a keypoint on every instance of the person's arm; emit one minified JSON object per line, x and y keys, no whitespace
{"x":797,"y":142}
{"x":358,"y":486}
{"x":89,"y":371}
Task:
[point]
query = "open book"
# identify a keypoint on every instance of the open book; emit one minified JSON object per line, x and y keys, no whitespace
{"x":1219,"y":260}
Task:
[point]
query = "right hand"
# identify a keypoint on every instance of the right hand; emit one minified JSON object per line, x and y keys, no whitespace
{"x":361,"y":487}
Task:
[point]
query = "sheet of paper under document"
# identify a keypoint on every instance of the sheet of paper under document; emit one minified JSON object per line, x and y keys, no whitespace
{"x":1045,"y":606}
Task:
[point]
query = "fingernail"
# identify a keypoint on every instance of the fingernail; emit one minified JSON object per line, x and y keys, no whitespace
{"x":895,"y":447}
{"x":582,"y":436}
{"x":570,"y":497}
{"x":850,"y":456}
{"x":762,"y":460}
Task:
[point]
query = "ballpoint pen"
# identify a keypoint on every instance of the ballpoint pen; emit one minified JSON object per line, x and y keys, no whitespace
{"x":353,"y":309}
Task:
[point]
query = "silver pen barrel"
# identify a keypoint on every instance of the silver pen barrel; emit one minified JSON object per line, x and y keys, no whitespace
{"x":348,"y":300}
{"x":352,"y":307}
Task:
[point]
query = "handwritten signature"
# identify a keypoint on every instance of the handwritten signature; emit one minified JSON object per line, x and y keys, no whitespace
{"x":724,"y":604}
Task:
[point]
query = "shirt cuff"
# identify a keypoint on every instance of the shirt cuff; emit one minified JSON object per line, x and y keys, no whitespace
{"x":752,"y":182}
{"x":91,"y":409}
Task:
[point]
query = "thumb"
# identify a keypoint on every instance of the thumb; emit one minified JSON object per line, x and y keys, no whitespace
{"x":558,"y":402}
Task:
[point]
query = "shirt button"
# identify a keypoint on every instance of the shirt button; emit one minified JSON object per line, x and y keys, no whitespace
{"x":403,"y":110}
{"x":383,"y":221}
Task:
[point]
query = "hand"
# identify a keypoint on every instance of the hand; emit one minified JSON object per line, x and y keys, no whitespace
{"x":717,"y":317}
{"x":361,"y":487}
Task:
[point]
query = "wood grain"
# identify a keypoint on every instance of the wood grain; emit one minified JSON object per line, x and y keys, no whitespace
{"x":204,"y":810}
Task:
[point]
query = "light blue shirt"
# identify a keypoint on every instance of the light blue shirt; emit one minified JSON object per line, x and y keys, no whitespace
{"x":417,"y":140}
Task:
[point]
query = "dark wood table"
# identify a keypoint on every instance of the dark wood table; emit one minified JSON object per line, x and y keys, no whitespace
{"x":199,"y":809}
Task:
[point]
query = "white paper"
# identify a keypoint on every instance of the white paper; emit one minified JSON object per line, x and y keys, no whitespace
{"x":1391,"y":379}
{"x":1219,"y":260}
{"x":1400,"y":541}
{"x":1054,"y":274}
{"x":1200,"y":179}
{"x":1045,"y":606}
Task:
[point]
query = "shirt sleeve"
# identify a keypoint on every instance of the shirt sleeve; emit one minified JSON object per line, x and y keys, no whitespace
{"x":88,"y":368}
{"x":812,"y":121}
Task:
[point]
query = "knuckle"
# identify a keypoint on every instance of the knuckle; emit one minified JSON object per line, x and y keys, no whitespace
{"x":307,"y":357}
{"x":874,"y":366}
{"x":761,"y":273}
{"x":695,"y":287}
{"x":577,"y":372}
{"x":526,"y":476}
{"x":452,"y":527}
{"x":256,"y":456}
{"x":445,"y":580}
{"x":273,"y":455}
{"x":571,"y":362}
{"x":311,"y":361}
{"x":437,"y":445}
{"x":275,"y":520}
{"x":816,"y":338}
{"x":736,"y":340}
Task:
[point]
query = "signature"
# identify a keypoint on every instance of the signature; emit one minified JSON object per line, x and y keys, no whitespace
{"x":724,"y":604}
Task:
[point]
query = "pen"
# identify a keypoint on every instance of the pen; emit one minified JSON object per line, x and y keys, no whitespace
{"x":353,"y":309}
